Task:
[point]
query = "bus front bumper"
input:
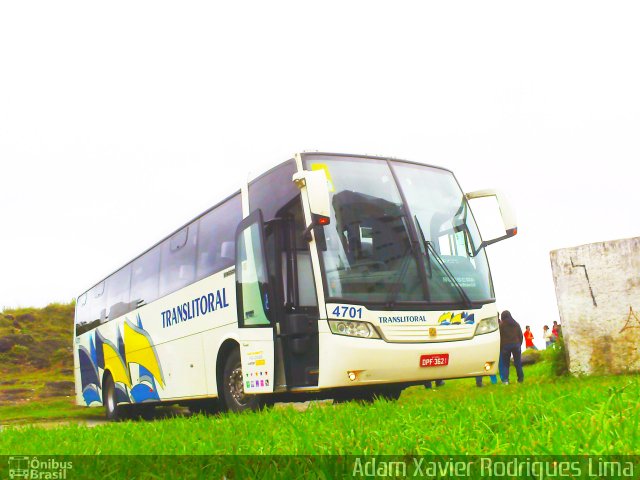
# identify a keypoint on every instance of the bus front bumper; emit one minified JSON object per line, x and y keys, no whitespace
{"x":349,"y":361}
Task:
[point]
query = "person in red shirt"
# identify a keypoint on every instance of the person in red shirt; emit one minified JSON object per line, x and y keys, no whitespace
{"x":528,"y":338}
{"x":555,"y":330}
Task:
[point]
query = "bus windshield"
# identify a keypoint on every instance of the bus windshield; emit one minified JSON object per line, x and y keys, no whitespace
{"x":399,"y":233}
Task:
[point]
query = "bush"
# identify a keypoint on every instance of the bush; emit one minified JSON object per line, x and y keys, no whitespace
{"x":5,"y":322}
{"x":63,"y":355}
{"x":556,"y":356}
{"x":19,"y":352}
{"x":531,"y":356}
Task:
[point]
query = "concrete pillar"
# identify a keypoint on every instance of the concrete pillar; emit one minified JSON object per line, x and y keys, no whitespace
{"x":598,"y":293}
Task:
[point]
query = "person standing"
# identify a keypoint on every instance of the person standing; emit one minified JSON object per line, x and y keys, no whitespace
{"x":439,"y":383}
{"x":492,"y":378}
{"x":510,"y":346}
{"x":548,"y":336}
{"x":528,"y":338}
{"x":555,"y":331}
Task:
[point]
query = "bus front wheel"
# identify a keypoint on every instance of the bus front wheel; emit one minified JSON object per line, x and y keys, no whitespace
{"x":233,"y":386}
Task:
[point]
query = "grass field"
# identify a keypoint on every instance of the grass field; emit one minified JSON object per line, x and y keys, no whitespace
{"x":545,"y":415}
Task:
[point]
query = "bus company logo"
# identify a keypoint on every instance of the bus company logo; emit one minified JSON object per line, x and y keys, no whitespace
{"x":34,"y":468}
{"x":405,"y":319}
{"x":194,"y":308}
{"x":462,"y":318}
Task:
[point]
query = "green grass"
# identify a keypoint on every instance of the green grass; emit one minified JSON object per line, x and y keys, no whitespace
{"x":55,"y":409}
{"x":548,"y":414}
{"x":545,"y":415}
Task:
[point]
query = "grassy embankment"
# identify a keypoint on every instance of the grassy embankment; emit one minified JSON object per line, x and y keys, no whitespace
{"x":36,"y":365}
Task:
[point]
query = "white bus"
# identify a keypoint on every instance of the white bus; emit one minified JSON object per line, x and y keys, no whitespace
{"x":329,"y":276}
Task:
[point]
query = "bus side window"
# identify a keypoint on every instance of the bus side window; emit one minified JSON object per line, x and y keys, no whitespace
{"x":145,"y":277}
{"x":274,"y":193}
{"x":178,"y":260}
{"x":216,"y":245}
{"x":303,"y":292}
{"x":90,"y":309}
{"x":97,"y":303}
{"x":306,"y":286}
{"x":82,"y":313}
{"x":118,"y":286}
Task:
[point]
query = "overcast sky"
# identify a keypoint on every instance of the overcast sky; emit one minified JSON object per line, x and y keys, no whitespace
{"x":120,"y":121}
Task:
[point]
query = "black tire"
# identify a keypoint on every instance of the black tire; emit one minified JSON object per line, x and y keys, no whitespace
{"x":113,"y":411}
{"x":233,"y":394}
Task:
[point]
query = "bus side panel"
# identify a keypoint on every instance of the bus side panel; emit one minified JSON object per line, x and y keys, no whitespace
{"x":156,"y":353}
{"x":76,"y":373}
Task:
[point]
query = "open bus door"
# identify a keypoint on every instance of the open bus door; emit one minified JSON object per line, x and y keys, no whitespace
{"x":255,"y":308}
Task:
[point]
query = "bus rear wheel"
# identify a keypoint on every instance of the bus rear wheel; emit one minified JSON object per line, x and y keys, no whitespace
{"x":233,"y":386}
{"x":114,"y":412}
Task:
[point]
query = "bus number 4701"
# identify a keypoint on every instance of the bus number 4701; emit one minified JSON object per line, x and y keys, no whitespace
{"x":350,"y":312}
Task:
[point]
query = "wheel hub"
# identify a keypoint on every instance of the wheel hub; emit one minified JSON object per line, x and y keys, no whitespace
{"x":236,"y":387}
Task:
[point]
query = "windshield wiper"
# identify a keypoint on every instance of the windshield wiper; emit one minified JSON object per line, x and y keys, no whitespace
{"x":428,"y":246}
{"x":399,"y":283}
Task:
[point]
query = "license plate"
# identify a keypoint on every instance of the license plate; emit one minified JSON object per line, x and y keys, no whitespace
{"x":435,"y":360}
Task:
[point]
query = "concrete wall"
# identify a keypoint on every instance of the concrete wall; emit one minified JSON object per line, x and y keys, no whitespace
{"x":598,"y":293}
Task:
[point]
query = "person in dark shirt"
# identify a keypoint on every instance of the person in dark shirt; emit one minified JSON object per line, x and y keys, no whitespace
{"x":510,"y":345}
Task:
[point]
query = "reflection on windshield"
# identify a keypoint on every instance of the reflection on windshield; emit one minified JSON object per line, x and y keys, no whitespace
{"x":369,"y":255}
{"x":368,"y":251}
{"x":429,"y":252}
{"x":437,"y":203}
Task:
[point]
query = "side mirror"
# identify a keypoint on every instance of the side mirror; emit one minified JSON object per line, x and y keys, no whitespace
{"x":508,"y":217}
{"x":315,"y":184}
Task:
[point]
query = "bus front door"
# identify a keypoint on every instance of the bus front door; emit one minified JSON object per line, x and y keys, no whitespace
{"x":255,"y":307}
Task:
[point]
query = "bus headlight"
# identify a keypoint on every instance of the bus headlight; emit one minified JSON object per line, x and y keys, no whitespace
{"x":487,"y":325}
{"x":352,"y":328}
